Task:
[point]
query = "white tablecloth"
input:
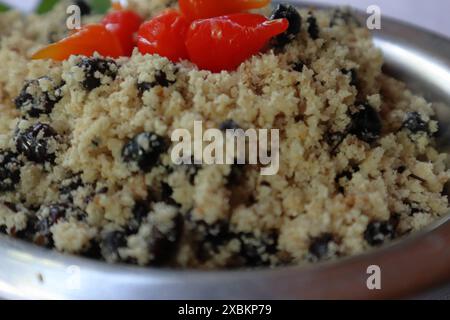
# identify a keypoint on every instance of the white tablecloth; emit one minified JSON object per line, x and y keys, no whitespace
{"x":431,"y":14}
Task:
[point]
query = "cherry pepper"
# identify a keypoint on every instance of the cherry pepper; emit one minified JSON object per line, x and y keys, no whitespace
{"x":124,"y":24}
{"x":223,"y":43}
{"x":164,"y":35}
{"x":202,"y":9}
{"x":88,"y":40}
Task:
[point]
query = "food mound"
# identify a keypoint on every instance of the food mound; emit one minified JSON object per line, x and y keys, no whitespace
{"x":85,"y":137}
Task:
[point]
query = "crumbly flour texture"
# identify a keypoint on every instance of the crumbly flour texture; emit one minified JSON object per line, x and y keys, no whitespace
{"x":85,"y":145}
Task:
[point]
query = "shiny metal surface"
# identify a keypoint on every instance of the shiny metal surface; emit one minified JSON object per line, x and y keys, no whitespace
{"x":408,"y":266}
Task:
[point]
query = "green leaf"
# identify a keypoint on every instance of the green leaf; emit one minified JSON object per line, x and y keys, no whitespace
{"x":100,"y":6}
{"x":3,"y":7}
{"x":45,"y":6}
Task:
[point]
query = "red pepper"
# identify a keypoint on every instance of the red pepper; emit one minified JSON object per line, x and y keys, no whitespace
{"x":164,"y":35}
{"x":124,"y":24}
{"x":90,"y":39}
{"x":202,"y":9}
{"x":223,"y":43}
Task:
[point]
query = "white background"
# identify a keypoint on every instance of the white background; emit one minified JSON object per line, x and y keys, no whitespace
{"x":432,"y":14}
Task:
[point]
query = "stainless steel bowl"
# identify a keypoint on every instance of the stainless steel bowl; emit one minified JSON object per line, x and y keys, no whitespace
{"x":408,"y":266}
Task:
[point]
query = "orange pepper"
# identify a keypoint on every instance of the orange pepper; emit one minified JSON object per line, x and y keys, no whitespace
{"x":202,"y":9}
{"x":88,"y":40}
{"x":116,"y":6}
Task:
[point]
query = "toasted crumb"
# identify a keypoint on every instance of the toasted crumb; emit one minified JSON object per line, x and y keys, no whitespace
{"x":358,"y":162}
